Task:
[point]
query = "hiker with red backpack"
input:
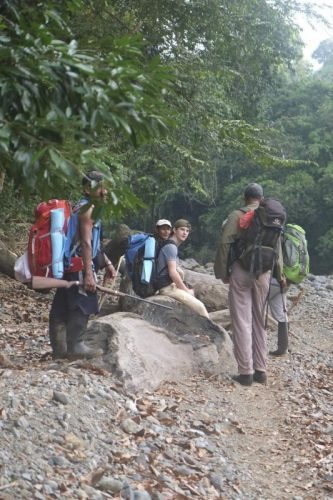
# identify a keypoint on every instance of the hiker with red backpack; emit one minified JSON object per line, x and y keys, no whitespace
{"x":71,"y":307}
{"x":248,"y":251}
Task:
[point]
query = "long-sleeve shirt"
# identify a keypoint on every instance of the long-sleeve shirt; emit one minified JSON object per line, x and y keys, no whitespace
{"x":230,"y":232}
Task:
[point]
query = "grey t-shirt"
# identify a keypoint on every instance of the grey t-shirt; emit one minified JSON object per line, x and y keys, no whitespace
{"x":168,"y":252}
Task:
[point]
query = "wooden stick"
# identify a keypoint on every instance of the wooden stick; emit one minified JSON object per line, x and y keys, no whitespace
{"x":122,"y":294}
{"x":103,"y":295}
{"x":39,"y":283}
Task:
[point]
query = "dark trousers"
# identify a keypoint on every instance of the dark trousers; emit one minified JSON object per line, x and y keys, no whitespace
{"x":69,"y":315}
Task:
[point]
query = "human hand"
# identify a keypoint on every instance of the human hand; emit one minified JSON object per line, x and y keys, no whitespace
{"x":72,"y":283}
{"x":110,"y":272}
{"x":89,"y":283}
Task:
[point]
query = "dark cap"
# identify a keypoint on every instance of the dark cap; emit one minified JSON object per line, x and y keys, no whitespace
{"x":253,"y":190}
{"x":182,"y":223}
{"x":92,"y":176}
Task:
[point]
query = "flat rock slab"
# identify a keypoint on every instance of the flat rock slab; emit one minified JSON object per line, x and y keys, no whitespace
{"x":144,"y":355}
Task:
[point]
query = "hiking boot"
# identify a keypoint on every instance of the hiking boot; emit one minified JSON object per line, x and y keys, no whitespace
{"x":282,"y":340}
{"x":82,"y":351}
{"x":260,"y":377}
{"x":57,"y":333}
{"x":243,"y":379}
{"x":76,"y":347}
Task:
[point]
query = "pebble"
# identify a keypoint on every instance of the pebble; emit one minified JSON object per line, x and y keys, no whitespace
{"x":141,"y":495}
{"x":58,"y":460}
{"x":110,"y":484}
{"x":130,"y":427}
{"x":60,"y":397}
{"x":22,"y":422}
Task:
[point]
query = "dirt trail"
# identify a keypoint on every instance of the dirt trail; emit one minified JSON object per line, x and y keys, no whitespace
{"x":206,"y":438}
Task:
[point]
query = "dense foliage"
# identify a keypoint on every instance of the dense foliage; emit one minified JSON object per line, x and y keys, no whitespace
{"x":180,"y":103}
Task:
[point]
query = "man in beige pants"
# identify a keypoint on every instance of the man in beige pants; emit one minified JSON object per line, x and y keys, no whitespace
{"x":170,"y":276}
{"x":248,"y":296}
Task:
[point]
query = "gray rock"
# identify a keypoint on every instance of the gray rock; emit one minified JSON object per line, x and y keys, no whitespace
{"x":141,"y":495}
{"x":22,"y":422}
{"x":27,"y":476}
{"x":217,"y":481}
{"x":126,"y":492}
{"x":211,"y":291}
{"x":15,"y":403}
{"x":58,"y":460}
{"x":92,"y":493}
{"x":183,"y":470}
{"x":52,"y":484}
{"x":130,"y":427}
{"x":60,"y":397}
{"x":190,"y":264}
{"x":190,"y":343}
{"x":110,"y":484}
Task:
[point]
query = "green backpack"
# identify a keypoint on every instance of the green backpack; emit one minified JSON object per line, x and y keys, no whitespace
{"x":296,"y":259}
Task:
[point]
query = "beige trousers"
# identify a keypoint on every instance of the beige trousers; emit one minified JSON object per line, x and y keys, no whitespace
{"x":185,"y":298}
{"x":247,"y":299}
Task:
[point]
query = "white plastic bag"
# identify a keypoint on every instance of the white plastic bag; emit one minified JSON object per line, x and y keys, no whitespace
{"x":21,"y":269}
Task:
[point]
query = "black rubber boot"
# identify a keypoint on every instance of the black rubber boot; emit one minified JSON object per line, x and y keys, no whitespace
{"x":243,"y":379}
{"x":76,"y":347}
{"x":282,"y":340}
{"x":57,"y":333}
{"x":260,"y":377}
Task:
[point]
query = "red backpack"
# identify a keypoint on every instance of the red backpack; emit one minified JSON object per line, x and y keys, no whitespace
{"x":39,"y":245}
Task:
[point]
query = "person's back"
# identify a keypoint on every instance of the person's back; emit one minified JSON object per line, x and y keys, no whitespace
{"x":248,"y":292}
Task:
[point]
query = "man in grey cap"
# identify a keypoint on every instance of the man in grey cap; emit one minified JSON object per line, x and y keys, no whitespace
{"x":248,"y":295}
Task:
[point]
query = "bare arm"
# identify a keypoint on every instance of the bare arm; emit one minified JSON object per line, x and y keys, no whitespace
{"x":86,"y":225}
{"x":110,"y":271}
{"x":176,"y":278}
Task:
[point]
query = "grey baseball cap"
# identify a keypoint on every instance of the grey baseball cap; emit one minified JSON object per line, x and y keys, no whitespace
{"x":253,"y":190}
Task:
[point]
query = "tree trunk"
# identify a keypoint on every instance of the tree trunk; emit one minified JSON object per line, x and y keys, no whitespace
{"x":7,"y":260}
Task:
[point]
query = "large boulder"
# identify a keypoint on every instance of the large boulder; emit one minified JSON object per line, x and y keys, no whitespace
{"x":211,"y":291}
{"x":143,"y":354}
{"x":222,"y":318}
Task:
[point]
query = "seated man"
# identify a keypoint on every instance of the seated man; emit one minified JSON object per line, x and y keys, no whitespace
{"x":170,"y":276}
{"x":162,"y":230}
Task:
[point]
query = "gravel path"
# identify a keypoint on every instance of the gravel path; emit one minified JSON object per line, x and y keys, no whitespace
{"x":69,"y":430}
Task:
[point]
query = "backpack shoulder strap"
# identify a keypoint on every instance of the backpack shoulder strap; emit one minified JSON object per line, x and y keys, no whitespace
{"x":163,"y":244}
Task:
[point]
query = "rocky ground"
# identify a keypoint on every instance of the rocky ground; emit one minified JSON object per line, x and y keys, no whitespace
{"x":69,"y":430}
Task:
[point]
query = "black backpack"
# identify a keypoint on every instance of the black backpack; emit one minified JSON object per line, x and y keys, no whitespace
{"x":257,"y":247}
